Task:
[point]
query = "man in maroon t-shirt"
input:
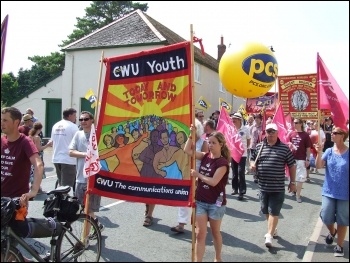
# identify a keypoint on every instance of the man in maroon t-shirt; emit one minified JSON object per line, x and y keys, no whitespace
{"x":18,"y":153}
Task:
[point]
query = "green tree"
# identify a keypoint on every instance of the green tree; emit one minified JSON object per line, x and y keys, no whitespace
{"x":52,"y":64}
{"x":98,"y":14}
{"x":9,"y":87}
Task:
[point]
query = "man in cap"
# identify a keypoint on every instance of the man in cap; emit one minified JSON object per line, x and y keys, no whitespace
{"x":27,"y":124}
{"x":239,"y":185}
{"x":269,"y":161}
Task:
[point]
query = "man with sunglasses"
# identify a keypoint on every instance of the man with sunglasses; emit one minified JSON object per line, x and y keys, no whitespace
{"x":78,"y":149}
{"x":61,"y":135}
{"x":269,"y":161}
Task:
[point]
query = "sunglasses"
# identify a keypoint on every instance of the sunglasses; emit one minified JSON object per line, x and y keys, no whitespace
{"x":201,"y":116}
{"x":296,"y":122}
{"x":84,"y":119}
{"x":271,"y":131}
{"x":336,"y":133}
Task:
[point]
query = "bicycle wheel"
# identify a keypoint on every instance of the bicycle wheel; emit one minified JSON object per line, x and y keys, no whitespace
{"x":75,"y":245}
{"x":14,"y":255}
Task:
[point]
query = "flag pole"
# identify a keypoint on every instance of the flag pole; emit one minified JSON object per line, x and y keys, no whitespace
{"x":87,"y":203}
{"x":193,"y":182}
{"x":3,"y":40}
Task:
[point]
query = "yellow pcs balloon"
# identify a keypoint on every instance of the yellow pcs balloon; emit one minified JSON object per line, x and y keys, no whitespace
{"x":249,"y":71}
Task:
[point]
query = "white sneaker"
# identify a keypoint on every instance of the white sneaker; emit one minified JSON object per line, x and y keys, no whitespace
{"x":299,"y":199}
{"x":268,"y":240}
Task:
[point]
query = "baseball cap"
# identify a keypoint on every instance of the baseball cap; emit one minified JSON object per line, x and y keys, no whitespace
{"x":237,"y":115}
{"x":272,"y":126}
{"x":27,"y":117}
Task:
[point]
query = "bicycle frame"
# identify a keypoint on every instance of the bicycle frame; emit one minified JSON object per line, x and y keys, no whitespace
{"x":9,"y":233}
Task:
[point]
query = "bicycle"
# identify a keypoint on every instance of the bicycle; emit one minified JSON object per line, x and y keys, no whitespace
{"x":79,"y":240}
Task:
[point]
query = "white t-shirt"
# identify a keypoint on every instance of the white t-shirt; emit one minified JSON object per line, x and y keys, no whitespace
{"x":61,"y":135}
{"x":245,"y":135}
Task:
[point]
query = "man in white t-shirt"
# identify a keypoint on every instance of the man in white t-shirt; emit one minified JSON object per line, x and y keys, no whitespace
{"x":239,"y":185}
{"x":61,"y":135}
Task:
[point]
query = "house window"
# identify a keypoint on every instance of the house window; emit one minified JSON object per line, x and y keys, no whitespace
{"x":221,"y":88}
{"x":197,"y":73}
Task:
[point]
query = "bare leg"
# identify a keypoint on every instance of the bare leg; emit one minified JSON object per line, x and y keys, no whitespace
{"x":341,"y":232}
{"x":272,"y":222}
{"x":201,"y":235}
{"x":217,"y":238}
{"x":299,"y":187}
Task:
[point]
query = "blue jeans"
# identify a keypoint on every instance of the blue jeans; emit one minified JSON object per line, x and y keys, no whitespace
{"x":238,"y":176}
{"x":334,"y":210}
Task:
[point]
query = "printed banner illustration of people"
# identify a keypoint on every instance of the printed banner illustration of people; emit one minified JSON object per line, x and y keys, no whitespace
{"x":268,"y":101}
{"x":299,"y":95}
{"x":144,"y":124}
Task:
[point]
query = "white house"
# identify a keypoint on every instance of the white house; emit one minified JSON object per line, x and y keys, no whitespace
{"x":132,"y":33}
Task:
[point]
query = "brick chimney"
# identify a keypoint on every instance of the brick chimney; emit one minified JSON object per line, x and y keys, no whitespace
{"x":221,"y":49}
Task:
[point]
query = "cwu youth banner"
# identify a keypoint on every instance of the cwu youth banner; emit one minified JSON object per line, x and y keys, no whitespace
{"x":143,"y":127}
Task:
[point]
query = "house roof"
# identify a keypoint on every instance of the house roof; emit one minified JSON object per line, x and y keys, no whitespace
{"x":136,"y":29}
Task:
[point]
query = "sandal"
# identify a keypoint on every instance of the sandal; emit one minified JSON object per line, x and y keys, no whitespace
{"x":148,"y":221}
{"x":178,"y":229}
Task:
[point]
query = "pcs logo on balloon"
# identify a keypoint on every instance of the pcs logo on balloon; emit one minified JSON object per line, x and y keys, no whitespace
{"x":248,"y":72}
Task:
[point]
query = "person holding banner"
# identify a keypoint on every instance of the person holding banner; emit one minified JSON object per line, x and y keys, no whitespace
{"x":239,"y":185}
{"x":212,"y":177}
{"x":335,"y":190}
{"x":269,"y":161}
{"x":78,"y":149}
{"x":201,"y":146}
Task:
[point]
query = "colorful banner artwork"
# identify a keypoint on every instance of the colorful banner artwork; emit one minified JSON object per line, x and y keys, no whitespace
{"x":269,"y":100}
{"x":299,"y":95}
{"x":143,"y":126}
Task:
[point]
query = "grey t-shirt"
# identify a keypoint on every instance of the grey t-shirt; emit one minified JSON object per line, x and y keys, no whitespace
{"x":80,"y":142}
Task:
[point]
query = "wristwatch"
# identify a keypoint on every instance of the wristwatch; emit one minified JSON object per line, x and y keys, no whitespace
{"x":293,"y":183}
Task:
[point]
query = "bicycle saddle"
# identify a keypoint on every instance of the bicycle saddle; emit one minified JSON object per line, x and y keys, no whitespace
{"x":60,"y":190}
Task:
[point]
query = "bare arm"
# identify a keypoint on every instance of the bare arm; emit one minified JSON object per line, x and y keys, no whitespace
{"x":35,"y":160}
{"x":77,"y":154}
{"x":188,"y":149}
{"x":319,"y":162}
{"x":213,"y":181}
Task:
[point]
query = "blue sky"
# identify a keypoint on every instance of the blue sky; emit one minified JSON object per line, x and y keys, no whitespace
{"x":296,"y":30}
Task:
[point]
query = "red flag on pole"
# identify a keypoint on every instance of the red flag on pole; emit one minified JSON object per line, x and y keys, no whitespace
{"x":331,"y":96}
{"x":3,"y":39}
{"x":92,"y":160}
{"x":280,"y":121}
{"x":233,"y":139}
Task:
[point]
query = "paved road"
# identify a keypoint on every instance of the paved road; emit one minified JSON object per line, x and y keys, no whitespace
{"x":301,"y":234}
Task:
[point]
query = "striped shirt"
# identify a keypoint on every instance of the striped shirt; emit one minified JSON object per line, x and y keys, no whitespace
{"x":271,"y":165}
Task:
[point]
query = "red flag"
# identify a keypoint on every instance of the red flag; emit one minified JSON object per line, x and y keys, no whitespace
{"x":280,"y":121}
{"x":92,"y":160}
{"x":3,"y":39}
{"x":233,"y":139}
{"x":288,"y":119}
{"x":331,"y":96}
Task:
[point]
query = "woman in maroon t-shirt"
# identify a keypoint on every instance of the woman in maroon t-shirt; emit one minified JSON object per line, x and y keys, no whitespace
{"x":212,"y":179}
